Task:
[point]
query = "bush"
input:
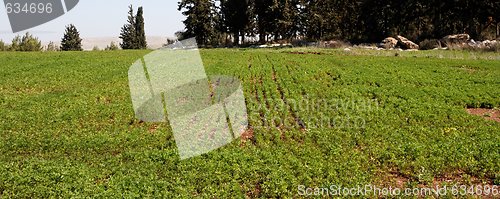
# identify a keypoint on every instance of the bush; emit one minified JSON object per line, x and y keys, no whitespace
{"x":430,"y":44}
{"x":304,"y":43}
{"x":27,"y":43}
{"x":334,"y":44}
{"x":112,"y":46}
{"x":96,"y":48}
{"x":52,"y":47}
{"x":169,"y":42}
{"x":15,"y":44}
{"x":3,"y":46}
{"x":455,"y":46}
{"x":30,"y":43}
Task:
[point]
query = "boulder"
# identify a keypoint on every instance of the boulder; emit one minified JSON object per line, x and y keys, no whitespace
{"x":388,"y":43}
{"x":334,"y":44}
{"x":486,"y":44}
{"x":459,"y":39}
{"x":489,"y":44}
{"x":406,"y":43}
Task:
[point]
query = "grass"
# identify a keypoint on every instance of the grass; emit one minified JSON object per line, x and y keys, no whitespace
{"x":67,"y":127}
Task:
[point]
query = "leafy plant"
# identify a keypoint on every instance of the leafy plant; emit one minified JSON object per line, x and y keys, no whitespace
{"x":68,"y":127}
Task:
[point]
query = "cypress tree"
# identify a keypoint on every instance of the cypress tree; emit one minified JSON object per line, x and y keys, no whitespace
{"x":139,"y":28}
{"x":129,"y":33}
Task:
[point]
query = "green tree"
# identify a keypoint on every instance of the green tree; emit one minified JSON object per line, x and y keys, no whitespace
{"x":357,"y":20}
{"x":265,"y":12}
{"x":71,"y":40}
{"x":199,"y":20}
{"x":128,"y":33}
{"x":237,"y":17}
{"x":139,"y":28}
{"x":132,"y":34}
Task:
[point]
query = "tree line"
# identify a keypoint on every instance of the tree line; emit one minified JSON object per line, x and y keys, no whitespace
{"x":226,"y":22}
{"x":132,"y":34}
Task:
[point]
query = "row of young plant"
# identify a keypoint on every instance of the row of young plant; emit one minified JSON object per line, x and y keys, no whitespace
{"x":413,"y":110}
{"x":287,"y":94}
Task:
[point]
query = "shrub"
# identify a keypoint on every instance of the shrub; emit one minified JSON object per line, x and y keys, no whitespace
{"x":96,"y":48}
{"x":456,"y":46}
{"x":304,"y":43}
{"x":52,"y":47}
{"x":334,"y":44}
{"x":169,"y":42}
{"x":27,"y":43}
{"x":430,"y":44}
{"x":30,"y":43}
{"x":3,"y":46}
{"x":112,"y":46}
{"x":15,"y":44}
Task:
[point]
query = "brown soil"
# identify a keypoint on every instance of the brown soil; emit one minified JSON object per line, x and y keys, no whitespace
{"x":153,"y":128}
{"x":305,"y":53}
{"x":489,"y":114}
{"x":395,"y":179}
{"x":248,"y":135}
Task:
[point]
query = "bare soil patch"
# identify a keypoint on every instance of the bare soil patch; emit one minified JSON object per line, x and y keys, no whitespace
{"x":394,"y":178}
{"x":489,"y":114}
{"x":247,"y":136}
{"x":305,"y":53}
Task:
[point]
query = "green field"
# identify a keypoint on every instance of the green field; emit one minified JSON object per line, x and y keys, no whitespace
{"x":67,"y":126}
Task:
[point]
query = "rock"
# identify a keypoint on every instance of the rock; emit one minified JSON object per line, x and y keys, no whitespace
{"x":489,"y":44}
{"x":388,"y":43}
{"x":406,"y":43}
{"x":347,"y":49}
{"x":460,"y":39}
{"x":333,"y":44}
{"x":486,"y":44}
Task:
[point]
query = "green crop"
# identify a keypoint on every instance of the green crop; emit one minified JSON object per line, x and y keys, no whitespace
{"x":67,"y":125}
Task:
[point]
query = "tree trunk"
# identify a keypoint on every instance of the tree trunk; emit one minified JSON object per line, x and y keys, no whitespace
{"x":498,"y":30}
{"x":243,"y":38}
{"x":236,"y":39}
{"x":262,"y":38}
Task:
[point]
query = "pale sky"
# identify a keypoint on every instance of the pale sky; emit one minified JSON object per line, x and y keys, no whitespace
{"x":104,"y":18}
